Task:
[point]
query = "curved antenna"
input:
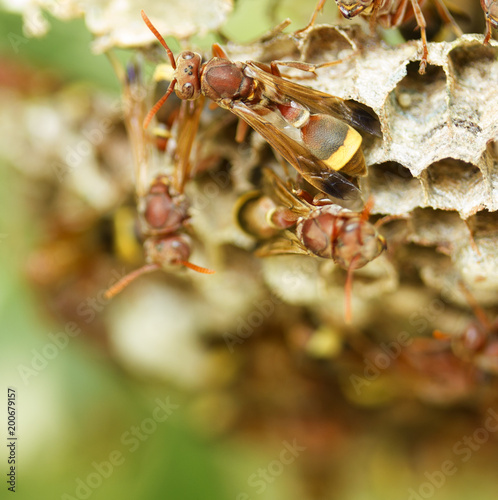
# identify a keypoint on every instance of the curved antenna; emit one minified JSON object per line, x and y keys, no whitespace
{"x":126,"y":280}
{"x":171,"y":57}
{"x":159,"y":103}
{"x":198,"y":269}
{"x":160,"y":38}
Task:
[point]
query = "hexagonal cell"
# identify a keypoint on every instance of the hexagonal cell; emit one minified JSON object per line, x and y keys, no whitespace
{"x":473,"y":65}
{"x":455,"y":185}
{"x":491,"y":161}
{"x":417,"y":112}
{"x":484,"y":229}
{"x":420,"y":96}
{"x":394,"y":188}
{"x":484,"y":223}
{"x":325,"y":39}
{"x":444,"y":230}
{"x":474,"y":100}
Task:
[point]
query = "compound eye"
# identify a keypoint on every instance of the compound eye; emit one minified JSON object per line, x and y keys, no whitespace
{"x":187,"y":91}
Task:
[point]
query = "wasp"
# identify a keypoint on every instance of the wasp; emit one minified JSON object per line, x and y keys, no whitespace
{"x":393,"y":14}
{"x":478,"y":343}
{"x":490,"y":8}
{"x":161,"y":203}
{"x":315,"y":132}
{"x":320,"y":227}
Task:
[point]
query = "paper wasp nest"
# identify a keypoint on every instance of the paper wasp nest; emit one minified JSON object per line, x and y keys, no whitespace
{"x":437,"y":161}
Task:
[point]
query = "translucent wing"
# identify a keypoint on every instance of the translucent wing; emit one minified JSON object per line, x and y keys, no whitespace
{"x":315,"y":171}
{"x":185,"y":130}
{"x":353,"y":113}
{"x":135,"y":110}
{"x":283,"y":195}
{"x":286,"y":243}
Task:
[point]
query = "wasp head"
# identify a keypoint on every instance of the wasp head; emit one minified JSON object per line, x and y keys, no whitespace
{"x":187,"y":75}
{"x":351,"y":8}
{"x":358,"y":244}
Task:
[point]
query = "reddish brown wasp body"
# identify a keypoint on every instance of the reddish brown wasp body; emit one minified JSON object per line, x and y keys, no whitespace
{"x":312,"y":130}
{"x":490,"y":8}
{"x":321,"y":227}
{"x":393,"y":14}
{"x":478,"y":344}
{"x":162,"y":206}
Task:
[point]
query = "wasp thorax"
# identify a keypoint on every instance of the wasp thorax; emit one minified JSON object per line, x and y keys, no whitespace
{"x":167,"y":251}
{"x":187,"y":74}
{"x":357,"y":243}
{"x":223,"y":79}
{"x":162,"y":212}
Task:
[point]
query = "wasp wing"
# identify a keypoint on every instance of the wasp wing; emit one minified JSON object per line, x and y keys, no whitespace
{"x":186,"y":127}
{"x":315,"y":171}
{"x":352,"y":112}
{"x":134,"y":108}
{"x":280,"y":192}
{"x":287,"y":243}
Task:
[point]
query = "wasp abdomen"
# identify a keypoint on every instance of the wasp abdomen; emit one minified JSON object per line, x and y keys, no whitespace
{"x":161,"y":212}
{"x":335,"y":143}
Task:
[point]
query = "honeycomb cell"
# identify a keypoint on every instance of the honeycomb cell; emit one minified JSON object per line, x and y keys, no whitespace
{"x":394,"y":188}
{"x":419,"y":97}
{"x":442,"y":229}
{"x":454,"y":185}
{"x":325,"y":40}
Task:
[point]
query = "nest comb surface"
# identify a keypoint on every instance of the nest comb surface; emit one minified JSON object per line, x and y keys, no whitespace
{"x":438,"y":153}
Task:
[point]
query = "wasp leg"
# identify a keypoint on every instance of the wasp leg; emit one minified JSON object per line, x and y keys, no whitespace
{"x":446,"y":16}
{"x":302,"y":66}
{"x":373,"y":15}
{"x":399,"y":15}
{"x":421,"y":24}
{"x":318,"y":8}
{"x":218,"y":51}
{"x":242,"y":128}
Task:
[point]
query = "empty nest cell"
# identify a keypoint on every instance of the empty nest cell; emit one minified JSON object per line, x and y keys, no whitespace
{"x":454,"y":185}
{"x":394,"y":188}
